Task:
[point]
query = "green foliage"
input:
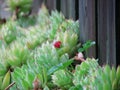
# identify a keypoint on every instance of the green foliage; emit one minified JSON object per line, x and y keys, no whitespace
{"x":69,"y":42}
{"x":0,"y":43}
{"x":84,"y":73}
{"x":41,"y":67}
{"x":60,"y":66}
{"x":78,"y":87}
{"x":22,"y":76}
{"x":43,"y":17}
{"x":26,"y":21}
{"x":56,"y":19}
{"x":63,"y":79}
{"x":47,"y":55}
{"x":29,"y":57}
{"x":3,"y":69}
{"x":70,"y":25}
{"x":93,"y":77}
{"x":17,"y":55}
{"x":5,"y":81}
{"x":87,"y":45}
{"x":35,"y":38}
{"x":9,"y":32}
{"x":21,"y":6}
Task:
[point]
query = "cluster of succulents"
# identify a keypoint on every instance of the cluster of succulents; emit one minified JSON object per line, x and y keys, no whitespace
{"x":37,"y":53}
{"x":40,"y":68}
{"x":93,"y":77}
{"x":29,"y":51}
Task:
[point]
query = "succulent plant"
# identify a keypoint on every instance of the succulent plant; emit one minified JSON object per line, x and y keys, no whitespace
{"x":108,"y":79}
{"x":23,"y":78}
{"x":26,"y":22}
{"x":77,"y":87}
{"x":20,"y":6}
{"x":35,"y":38}
{"x":84,"y":73}
{"x":93,"y":77}
{"x":56,"y":20}
{"x":45,"y":62}
{"x":36,"y":52}
{"x":17,"y":55}
{"x":70,"y":25}
{"x":43,"y":17}
{"x":47,"y":55}
{"x":3,"y":69}
{"x":63,"y":79}
{"x":9,"y":32}
{"x":5,"y":81}
{"x":68,"y":43}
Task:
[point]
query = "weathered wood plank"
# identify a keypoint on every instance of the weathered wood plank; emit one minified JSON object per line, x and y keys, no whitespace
{"x":68,"y":8}
{"x":63,"y":8}
{"x":76,"y":9}
{"x":58,"y":5}
{"x":118,"y":32}
{"x":51,"y":4}
{"x":106,"y":32}
{"x":4,"y":14}
{"x":36,"y":5}
{"x":87,"y":24}
{"x":71,"y":9}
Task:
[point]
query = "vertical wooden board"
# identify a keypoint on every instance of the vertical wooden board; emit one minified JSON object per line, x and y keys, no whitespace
{"x":63,"y":9}
{"x":71,"y":9}
{"x":68,"y":8}
{"x":76,"y":9}
{"x":36,"y":5}
{"x":111,"y":33}
{"x":102,"y":31}
{"x":58,"y":5}
{"x":106,"y":32}
{"x":4,"y":14}
{"x":51,"y":4}
{"x":118,"y":32}
{"x":87,"y":24}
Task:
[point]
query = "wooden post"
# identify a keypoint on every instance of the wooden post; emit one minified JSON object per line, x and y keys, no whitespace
{"x":87,"y":24}
{"x":106,"y":32}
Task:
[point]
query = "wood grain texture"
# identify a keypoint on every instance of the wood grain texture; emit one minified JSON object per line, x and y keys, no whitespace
{"x":106,"y":32}
{"x":71,"y":9}
{"x":51,"y":4}
{"x":36,"y":6}
{"x":4,"y":14}
{"x":63,"y":7}
{"x":87,"y":24}
{"x":68,"y":8}
{"x":118,"y":32}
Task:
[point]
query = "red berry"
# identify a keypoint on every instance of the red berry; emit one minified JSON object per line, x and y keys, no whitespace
{"x":57,"y":44}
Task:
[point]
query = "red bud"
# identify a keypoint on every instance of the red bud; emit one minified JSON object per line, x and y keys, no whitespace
{"x":57,"y":44}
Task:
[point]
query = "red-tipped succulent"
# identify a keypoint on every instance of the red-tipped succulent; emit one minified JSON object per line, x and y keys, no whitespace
{"x":57,"y":44}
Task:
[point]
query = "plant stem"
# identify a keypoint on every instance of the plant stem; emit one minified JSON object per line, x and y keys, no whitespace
{"x":7,"y":88}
